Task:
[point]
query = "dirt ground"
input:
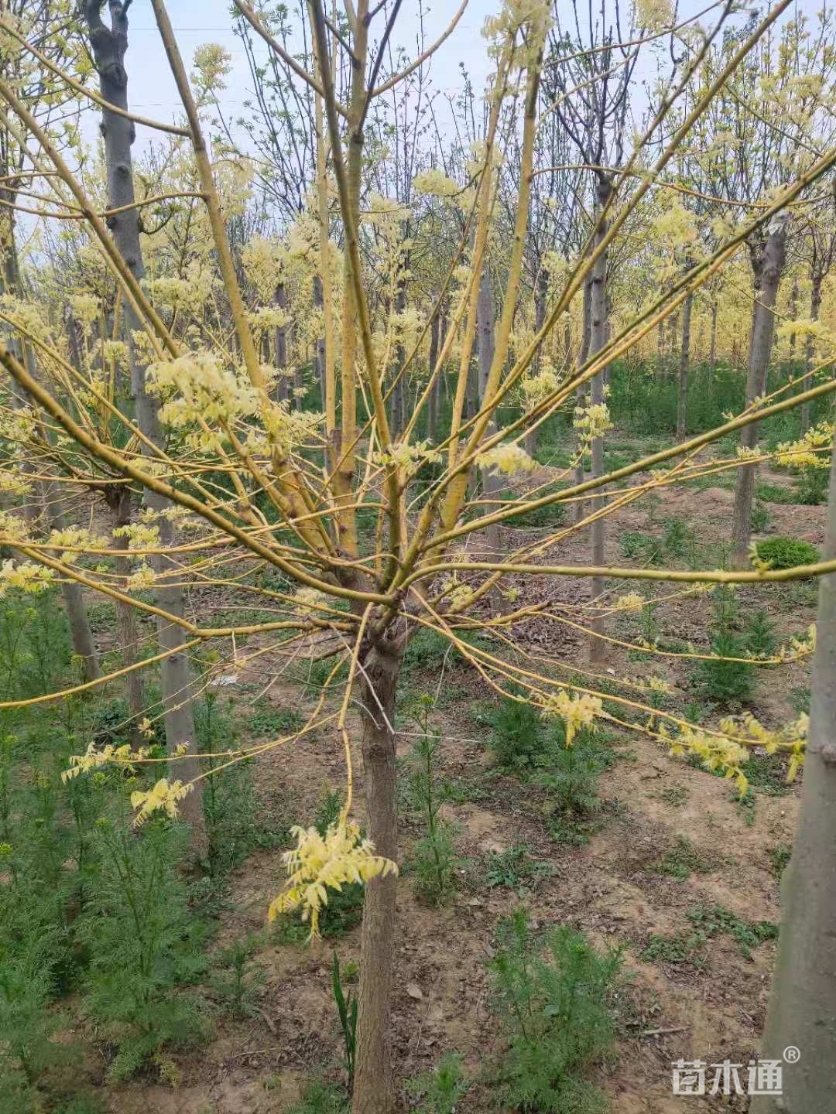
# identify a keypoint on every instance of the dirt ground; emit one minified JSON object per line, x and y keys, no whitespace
{"x":710,"y":1006}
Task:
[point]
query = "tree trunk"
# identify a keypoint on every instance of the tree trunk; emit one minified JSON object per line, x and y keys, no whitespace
{"x":432,"y":402}
{"x":684,"y":367}
{"x":81,"y":636}
{"x":374,"y":1086}
{"x":597,"y":340}
{"x":491,"y":485}
{"x":712,"y":349}
{"x":768,"y":268}
{"x":810,"y":348}
{"x":579,"y":506}
{"x":802,"y":1005}
{"x":541,"y":291}
{"x":108,"y":47}
{"x":120,"y":504}
{"x":282,"y":386}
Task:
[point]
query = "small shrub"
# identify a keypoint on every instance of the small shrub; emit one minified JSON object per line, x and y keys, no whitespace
{"x":434,"y":855}
{"x":786,"y":553}
{"x":441,"y":1090}
{"x":320,"y":1097}
{"x":238,"y":980}
{"x":773,"y":493}
{"x":760,"y":518}
{"x":554,"y":998}
{"x":569,"y":774}
{"x":759,"y":635}
{"x":145,"y":945}
{"x":518,"y":738}
{"x":724,"y":680}
{"x":812,"y":485}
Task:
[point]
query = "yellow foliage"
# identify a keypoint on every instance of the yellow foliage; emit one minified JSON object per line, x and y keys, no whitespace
{"x":319,"y":863}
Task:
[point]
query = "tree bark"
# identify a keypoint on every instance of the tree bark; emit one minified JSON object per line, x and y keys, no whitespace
{"x":597,"y":340}
{"x":120,"y":503}
{"x":109,"y":45}
{"x":768,"y":266}
{"x":84,"y":646}
{"x":684,"y":367}
{"x":282,"y":386}
{"x":579,"y":504}
{"x":802,"y":1006}
{"x":432,"y":402}
{"x":541,"y":291}
{"x":486,"y":319}
{"x":374,"y":1086}
{"x":810,"y":348}
{"x":712,"y":349}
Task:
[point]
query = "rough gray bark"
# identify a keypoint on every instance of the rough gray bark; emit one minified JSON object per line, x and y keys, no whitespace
{"x":684,"y":367}
{"x":768,"y":265}
{"x":319,"y":302}
{"x":802,"y":1006}
{"x":810,"y":348}
{"x":108,"y":45}
{"x":374,"y":1087}
{"x":597,"y":340}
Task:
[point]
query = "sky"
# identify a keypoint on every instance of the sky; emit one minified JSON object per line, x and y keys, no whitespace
{"x":152,"y":92}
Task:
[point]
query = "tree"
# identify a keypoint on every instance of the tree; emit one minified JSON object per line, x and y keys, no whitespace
{"x":348,"y":538}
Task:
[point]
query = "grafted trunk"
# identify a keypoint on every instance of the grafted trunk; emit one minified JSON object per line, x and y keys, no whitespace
{"x":802,"y":1006}
{"x":597,"y":340}
{"x":810,"y":348}
{"x":109,"y":45}
{"x":374,"y":1086}
{"x":768,"y":266}
{"x":684,"y":367}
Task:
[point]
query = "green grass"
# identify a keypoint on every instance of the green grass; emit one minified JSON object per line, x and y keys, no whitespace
{"x":683,"y":859}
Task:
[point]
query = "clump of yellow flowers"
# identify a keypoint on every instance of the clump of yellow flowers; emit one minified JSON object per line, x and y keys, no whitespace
{"x":576,"y":711}
{"x":321,"y":862}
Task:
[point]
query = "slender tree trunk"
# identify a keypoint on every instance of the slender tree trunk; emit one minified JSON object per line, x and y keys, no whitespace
{"x":374,"y":1086}
{"x":712,"y":344}
{"x":319,"y":301}
{"x":684,"y":367}
{"x":84,"y":646}
{"x":541,"y":291}
{"x":580,"y":400}
{"x":597,"y":340}
{"x":802,"y":1006}
{"x":810,"y":348}
{"x":120,"y":503}
{"x":108,"y":47}
{"x":281,"y":345}
{"x":769,"y":268}
{"x":491,"y":485}
{"x":432,"y":402}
